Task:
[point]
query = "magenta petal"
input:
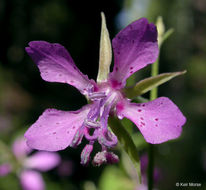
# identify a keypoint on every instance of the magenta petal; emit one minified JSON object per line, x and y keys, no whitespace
{"x":134,"y":48}
{"x":43,"y":161}
{"x":31,"y":180}
{"x":56,"y":65}
{"x":20,"y":148}
{"x":55,"y":130}
{"x":159,"y":120}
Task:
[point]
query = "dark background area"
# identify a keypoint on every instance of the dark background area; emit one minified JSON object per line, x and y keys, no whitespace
{"x":76,"y":25}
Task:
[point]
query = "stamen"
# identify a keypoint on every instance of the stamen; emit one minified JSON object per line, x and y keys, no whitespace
{"x":107,"y":139}
{"x":85,"y":155}
{"x":99,"y":158}
{"x":105,"y":157}
{"x":94,"y":110}
{"x":97,"y":95}
{"x":112,"y":158}
{"x":91,"y":137}
{"x":78,"y":137}
{"x":91,"y":124}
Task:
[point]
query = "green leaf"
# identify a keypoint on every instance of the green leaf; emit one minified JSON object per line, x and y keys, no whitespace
{"x":167,"y":34}
{"x":140,"y":99}
{"x":127,"y":143}
{"x":115,"y":179}
{"x":149,"y":83}
{"x":105,"y":53}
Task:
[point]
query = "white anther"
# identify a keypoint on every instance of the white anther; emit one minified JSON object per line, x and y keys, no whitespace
{"x":97,"y":95}
{"x":92,"y":124}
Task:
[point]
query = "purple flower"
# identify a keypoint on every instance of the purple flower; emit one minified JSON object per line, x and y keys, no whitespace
{"x":144,"y":165}
{"x":41,"y":161}
{"x":30,"y":176}
{"x":134,"y":48}
{"x":20,"y":148}
{"x":31,"y":180}
{"x":5,"y":169}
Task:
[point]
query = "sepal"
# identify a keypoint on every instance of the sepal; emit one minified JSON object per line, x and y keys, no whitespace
{"x":105,"y":53}
{"x":149,"y":83}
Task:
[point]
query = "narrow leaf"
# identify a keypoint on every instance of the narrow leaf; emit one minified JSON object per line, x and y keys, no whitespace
{"x":127,"y":143}
{"x":149,"y":83}
{"x":105,"y":54}
{"x":167,"y":34}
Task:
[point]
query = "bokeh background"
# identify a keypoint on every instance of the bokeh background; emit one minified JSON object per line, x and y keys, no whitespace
{"x":76,"y":25}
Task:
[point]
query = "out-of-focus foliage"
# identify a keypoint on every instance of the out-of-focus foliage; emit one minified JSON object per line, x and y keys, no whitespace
{"x":114,"y":178}
{"x":77,"y":25}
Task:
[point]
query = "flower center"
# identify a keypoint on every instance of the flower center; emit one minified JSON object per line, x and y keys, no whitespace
{"x":95,"y":127}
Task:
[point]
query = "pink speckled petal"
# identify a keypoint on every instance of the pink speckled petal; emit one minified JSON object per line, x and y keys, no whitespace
{"x":55,"y":130}
{"x":159,"y":120}
{"x":56,"y":65}
{"x":42,"y":161}
{"x":134,"y":48}
{"x":31,"y":180}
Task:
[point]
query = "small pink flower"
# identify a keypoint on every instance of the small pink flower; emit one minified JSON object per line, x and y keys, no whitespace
{"x":5,"y":169}
{"x":31,"y":165}
{"x":31,"y":180}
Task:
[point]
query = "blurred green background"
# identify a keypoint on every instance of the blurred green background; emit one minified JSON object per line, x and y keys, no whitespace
{"x":76,"y":25}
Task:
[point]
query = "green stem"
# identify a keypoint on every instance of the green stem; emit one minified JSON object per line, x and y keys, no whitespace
{"x":150,"y":168}
{"x":155,"y":71}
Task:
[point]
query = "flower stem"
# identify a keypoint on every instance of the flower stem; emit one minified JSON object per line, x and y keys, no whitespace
{"x":150,"y":168}
{"x":155,"y":71}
